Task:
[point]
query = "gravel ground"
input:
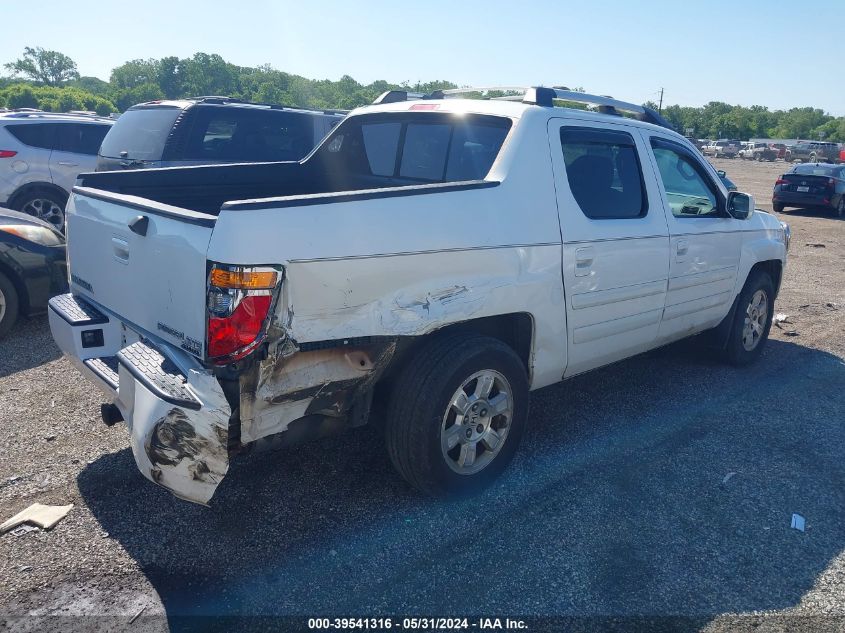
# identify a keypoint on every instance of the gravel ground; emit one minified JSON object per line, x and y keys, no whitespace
{"x":660,"y":486}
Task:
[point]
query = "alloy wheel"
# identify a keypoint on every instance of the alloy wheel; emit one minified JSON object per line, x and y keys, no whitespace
{"x":476,"y":423}
{"x":755,"y":320}
{"x":2,"y":305}
{"x":46,"y":210}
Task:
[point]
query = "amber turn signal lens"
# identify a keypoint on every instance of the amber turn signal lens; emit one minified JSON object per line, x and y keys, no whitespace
{"x":243,"y":279}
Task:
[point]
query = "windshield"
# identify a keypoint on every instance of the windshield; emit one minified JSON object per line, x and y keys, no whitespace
{"x":816,"y":170}
{"x":141,"y":133}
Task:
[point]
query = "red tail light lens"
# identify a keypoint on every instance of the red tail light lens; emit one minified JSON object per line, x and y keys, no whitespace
{"x":781,"y":181}
{"x":229,"y":335}
{"x":7,"y":153}
{"x":239,"y":305}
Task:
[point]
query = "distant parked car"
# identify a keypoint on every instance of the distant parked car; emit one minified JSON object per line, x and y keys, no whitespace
{"x":780,"y":149}
{"x":721,"y":149}
{"x":757,"y":151}
{"x":811,"y":186}
{"x":812,"y":152}
{"x":32,"y":266}
{"x":209,"y":130}
{"x":41,"y":154}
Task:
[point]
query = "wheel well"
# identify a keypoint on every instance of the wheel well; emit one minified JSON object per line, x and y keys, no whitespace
{"x":20,"y":288}
{"x":514,"y":330}
{"x":774,"y":268}
{"x":36,"y":186}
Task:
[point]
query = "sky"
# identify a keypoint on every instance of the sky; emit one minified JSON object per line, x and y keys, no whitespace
{"x":747,"y":52}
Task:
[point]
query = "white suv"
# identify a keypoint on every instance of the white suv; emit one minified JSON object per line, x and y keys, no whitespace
{"x":41,"y":154}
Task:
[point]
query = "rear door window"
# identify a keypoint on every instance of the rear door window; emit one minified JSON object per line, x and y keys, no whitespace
{"x":80,"y":138}
{"x":140,"y":134}
{"x":40,"y":135}
{"x":604,"y":174}
{"x":249,"y":134}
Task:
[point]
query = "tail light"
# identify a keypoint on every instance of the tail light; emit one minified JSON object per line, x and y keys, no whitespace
{"x":239,"y":306}
{"x":7,"y":153}
{"x":781,"y":181}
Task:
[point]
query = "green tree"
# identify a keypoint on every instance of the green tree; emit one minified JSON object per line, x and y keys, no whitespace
{"x":48,"y":67}
{"x":21,"y":96}
{"x":135,"y":73}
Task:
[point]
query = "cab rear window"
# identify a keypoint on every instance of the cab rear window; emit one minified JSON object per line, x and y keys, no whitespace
{"x":414,"y":147}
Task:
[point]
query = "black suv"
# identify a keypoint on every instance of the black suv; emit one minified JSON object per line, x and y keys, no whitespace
{"x":812,"y":152}
{"x":209,"y":130}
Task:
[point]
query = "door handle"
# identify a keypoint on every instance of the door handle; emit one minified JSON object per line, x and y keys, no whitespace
{"x":681,"y":247}
{"x":65,"y":163}
{"x":583,"y":261}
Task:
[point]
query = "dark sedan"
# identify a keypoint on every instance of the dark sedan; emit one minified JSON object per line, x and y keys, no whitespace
{"x":32,"y":266}
{"x":811,"y":186}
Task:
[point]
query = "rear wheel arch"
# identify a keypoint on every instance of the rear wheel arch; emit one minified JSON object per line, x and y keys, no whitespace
{"x":16,"y":281}
{"x":32,"y":187}
{"x":516,"y":330}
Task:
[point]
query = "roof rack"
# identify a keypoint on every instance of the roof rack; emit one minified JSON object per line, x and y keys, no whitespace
{"x":40,"y":113}
{"x":538,"y":95}
{"x":274,"y":106}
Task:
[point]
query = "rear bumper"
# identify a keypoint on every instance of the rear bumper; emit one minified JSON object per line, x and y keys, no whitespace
{"x":176,"y":412}
{"x":793,"y":199}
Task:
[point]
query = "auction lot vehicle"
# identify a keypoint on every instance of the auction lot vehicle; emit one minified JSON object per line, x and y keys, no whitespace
{"x":757,"y":151}
{"x":41,"y":154}
{"x":811,"y":186}
{"x":432,"y":261}
{"x":212,"y":130}
{"x":721,"y":149}
{"x":32,"y":266}
{"x":812,"y":152}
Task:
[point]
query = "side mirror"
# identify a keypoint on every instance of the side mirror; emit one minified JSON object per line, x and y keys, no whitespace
{"x":740,"y":205}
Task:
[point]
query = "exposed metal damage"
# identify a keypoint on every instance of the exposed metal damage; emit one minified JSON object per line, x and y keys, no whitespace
{"x":334,"y":382}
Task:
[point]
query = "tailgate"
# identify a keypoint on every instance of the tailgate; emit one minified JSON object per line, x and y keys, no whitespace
{"x":153,"y":275}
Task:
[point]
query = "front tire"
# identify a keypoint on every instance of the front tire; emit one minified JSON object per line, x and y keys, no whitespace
{"x":8,"y":305}
{"x":840,"y":208}
{"x":752,"y":320}
{"x":456,"y":414}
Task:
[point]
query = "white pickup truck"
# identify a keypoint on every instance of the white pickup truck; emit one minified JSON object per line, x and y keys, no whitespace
{"x":427,"y":265}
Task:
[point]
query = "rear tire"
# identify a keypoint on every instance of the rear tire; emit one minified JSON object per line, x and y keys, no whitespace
{"x":456,"y":414}
{"x":9,"y":305}
{"x":752,"y":320}
{"x":840,"y":208}
{"x":777,"y":208}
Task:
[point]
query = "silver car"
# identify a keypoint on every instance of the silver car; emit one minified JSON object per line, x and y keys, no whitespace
{"x":41,"y":154}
